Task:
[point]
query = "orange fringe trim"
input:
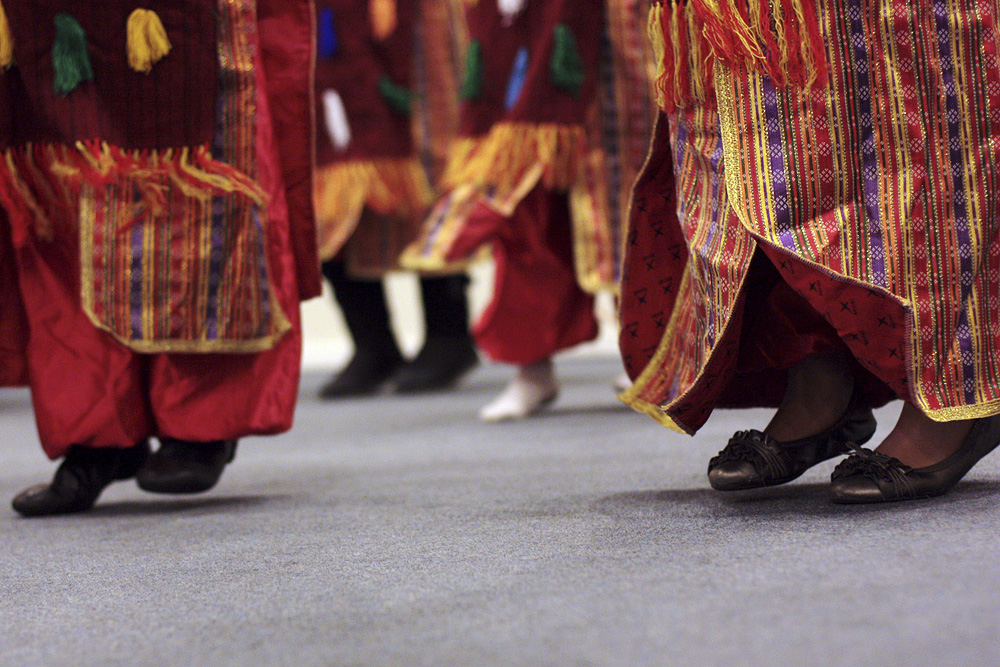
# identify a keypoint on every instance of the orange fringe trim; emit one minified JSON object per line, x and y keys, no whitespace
{"x":515,"y":156}
{"x":387,"y":187}
{"x":42,"y":183}
{"x":779,"y":38}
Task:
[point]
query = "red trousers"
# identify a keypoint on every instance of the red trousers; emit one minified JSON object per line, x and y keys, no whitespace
{"x":89,"y":389}
{"x":538,"y":308}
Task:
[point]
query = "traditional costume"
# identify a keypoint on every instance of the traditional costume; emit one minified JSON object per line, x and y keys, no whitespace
{"x":156,"y":170}
{"x":554,"y":127}
{"x":386,"y":95}
{"x":824,"y":176}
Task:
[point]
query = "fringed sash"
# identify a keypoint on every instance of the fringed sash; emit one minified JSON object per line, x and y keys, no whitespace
{"x":780,"y":38}
{"x":46,"y":180}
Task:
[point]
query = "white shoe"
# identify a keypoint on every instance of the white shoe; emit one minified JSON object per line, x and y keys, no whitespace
{"x":533,"y":389}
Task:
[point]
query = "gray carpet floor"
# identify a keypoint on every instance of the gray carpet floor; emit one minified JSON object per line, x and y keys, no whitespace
{"x":400,"y":531}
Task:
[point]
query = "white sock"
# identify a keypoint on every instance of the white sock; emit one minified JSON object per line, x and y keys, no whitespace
{"x":534,"y":387}
{"x":622,"y":383}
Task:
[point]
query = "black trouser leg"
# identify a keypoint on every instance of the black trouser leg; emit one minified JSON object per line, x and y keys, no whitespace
{"x":376,"y":355}
{"x":446,"y":308}
{"x":448,"y":350}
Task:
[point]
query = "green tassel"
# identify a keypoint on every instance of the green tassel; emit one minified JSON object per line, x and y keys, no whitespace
{"x":566,"y":67}
{"x":396,"y":96}
{"x":472,"y":82}
{"x":69,"y":55}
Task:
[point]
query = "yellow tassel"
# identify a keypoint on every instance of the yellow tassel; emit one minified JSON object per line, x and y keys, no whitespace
{"x":6,"y":41}
{"x":147,"y":40}
{"x":383,"y":16}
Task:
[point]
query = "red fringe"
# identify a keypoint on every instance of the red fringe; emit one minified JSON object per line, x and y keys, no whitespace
{"x":724,"y":30}
{"x":41,"y":184}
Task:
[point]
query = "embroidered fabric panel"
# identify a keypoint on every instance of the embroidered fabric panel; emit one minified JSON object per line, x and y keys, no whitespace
{"x":192,"y":275}
{"x":875,"y":197}
{"x":693,"y":264}
{"x":889,"y":177}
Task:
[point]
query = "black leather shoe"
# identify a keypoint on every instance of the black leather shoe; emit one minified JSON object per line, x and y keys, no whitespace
{"x":872,"y":477}
{"x":366,"y":372}
{"x":753,"y":459}
{"x":80,"y":479}
{"x":179,"y":466}
{"x":441,"y":363}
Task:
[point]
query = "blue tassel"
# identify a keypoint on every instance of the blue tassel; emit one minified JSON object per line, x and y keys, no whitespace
{"x":326,"y":37}
{"x":517,"y":76}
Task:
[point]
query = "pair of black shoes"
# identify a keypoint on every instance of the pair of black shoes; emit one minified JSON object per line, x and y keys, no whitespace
{"x":753,"y":459}
{"x":440,"y":364}
{"x":177,"y":467}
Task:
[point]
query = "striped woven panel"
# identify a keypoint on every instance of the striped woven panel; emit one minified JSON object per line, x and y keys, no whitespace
{"x":880,"y":187}
{"x":687,"y":257}
{"x":194,"y":276}
{"x":618,"y":137}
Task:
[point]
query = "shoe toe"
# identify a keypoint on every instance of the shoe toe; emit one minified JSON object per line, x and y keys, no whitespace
{"x":41,"y":500}
{"x":856,"y":490}
{"x":734,"y":476}
{"x":31,"y":501}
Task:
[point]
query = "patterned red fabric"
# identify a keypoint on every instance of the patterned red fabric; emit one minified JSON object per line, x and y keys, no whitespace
{"x":116,"y":396}
{"x":540,"y":101}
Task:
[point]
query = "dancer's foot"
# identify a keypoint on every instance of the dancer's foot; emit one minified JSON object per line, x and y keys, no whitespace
{"x":817,"y":395}
{"x":919,"y":441}
{"x":622,"y":383}
{"x":179,"y":466}
{"x":819,"y":416}
{"x":921,"y":458}
{"x":753,"y":459}
{"x":440,"y":364}
{"x":365,"y":373}
{"x":80,"y":479}
{"x":534,"y":388}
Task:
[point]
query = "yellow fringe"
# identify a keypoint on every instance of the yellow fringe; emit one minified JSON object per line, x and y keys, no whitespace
{"x":512,"y":154}
{"x":387,"y":187}
{"x":701,"y":65}
{"x":147,"y":40}
{"x":6,"y":41}
{"x":655,"y":30}
{"x":383,"y":17}
{"x":680,"y":58}
{"x":48,"y":178}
